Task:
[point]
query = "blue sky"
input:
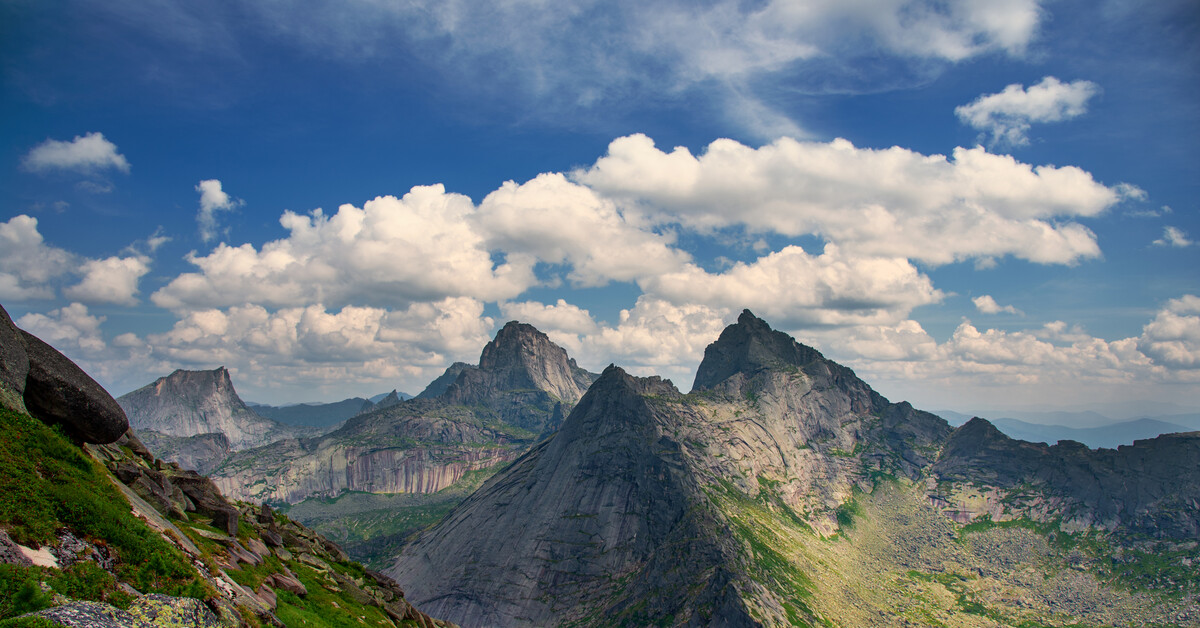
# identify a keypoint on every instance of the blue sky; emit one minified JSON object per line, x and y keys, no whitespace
{"x":974,"y":204}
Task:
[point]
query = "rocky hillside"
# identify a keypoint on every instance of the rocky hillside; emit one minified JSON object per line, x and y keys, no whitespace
{"x":784,"y":491}
{"x":95,"y":531}
{"x":485,"y":417}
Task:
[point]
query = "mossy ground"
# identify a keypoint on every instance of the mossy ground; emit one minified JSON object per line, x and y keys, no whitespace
{"x":47,"y":484}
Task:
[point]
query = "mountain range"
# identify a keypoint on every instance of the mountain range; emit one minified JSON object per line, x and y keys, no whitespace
{"x":782,"y":490}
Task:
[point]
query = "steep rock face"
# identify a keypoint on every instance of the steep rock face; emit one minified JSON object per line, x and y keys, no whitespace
{"x":393,"y":451}
{"x":1151,"y":487}
{"x":188,"y":403}
{"x":600,"y":524}
{"x":811,"y":424}
{"x":443,"y":381}
{"x":526,"y":379}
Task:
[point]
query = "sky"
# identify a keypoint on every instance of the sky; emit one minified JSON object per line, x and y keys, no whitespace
{"x":974,"y":204}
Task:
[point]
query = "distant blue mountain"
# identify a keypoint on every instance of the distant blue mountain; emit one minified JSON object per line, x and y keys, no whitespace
{"x":1109,"y":433}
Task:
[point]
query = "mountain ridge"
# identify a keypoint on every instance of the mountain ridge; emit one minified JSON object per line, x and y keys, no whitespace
{"x":754,"y":476}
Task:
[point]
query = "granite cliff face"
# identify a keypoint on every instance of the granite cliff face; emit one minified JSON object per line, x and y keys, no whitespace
{"x":190,"y":403}
{"x":782,"y":491}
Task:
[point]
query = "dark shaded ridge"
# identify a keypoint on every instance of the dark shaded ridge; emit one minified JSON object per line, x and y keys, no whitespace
{"x":748,"y":347}
{"x":1151,"y":487}
{"x":598,"y":524}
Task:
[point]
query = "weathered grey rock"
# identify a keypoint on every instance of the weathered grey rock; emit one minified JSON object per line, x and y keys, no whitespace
{"x":14,"y":365}
{"x":10,"y":554}
{"x":518,"y":370}
{"x":189,"y":403}
{"x":208,"y":500}
{"x":603,"y":501}
{"x":286,"y":582}
{"x":81,"y":614}
{"x":201,"y":453}
{"x":58,"y":391}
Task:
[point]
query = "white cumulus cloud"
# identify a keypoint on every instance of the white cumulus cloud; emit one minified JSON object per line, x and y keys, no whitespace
{"x":391,"y":252}
{"x":27,"y":264}
{"x":988,"y":305}
{"x":1173,"y":337}
{"x":110,"y":280}
{"x":1174,"y":237}
{"x":87,"y":154}
{"x":213,"y":199}
{"x":891,"y":203}
{"x":563,"y":222}
{"x":797,"y":289}
{"x":1008,"y":115}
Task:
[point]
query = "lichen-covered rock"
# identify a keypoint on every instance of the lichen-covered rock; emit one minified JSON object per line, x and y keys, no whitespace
{"x":58,"y":391}
{"x":164,"y":611}
{"x":14,"y":365}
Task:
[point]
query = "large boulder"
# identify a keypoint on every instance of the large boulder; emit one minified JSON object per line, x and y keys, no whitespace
{"x":58,"y":391}
{"x":14,"y":365}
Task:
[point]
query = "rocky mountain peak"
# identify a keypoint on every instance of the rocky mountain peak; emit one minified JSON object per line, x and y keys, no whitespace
{"x":520,"y":345}
{"x":747,"y":347}
{"x":189,"y":403}
{"x":520,"y":359}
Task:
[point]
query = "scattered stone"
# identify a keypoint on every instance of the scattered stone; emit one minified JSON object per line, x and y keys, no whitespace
{"x":272,"y":538}
{"x":267,"y":596}
{"x":257,"y":546}
{"x":287,"y":582}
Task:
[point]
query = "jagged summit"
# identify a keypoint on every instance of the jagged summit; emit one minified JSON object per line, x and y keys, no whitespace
{"x":520,"y":363}
{"x":748,"y":347}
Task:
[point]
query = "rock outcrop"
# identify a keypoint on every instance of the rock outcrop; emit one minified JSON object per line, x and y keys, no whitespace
{"x":486,"y":416}
{"x":202,"y":452}
{"x":585,"y":526}
{"x":35,"y":377}
{"x":189,"y":403}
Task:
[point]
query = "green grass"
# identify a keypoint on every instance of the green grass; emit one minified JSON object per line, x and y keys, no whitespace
{"x":322,"y":607}
{"x":47,"y":484}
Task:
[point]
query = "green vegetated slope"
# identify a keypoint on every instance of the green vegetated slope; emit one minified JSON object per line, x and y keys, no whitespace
{"x":56,"y":497}
{"x":48,"y":485}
